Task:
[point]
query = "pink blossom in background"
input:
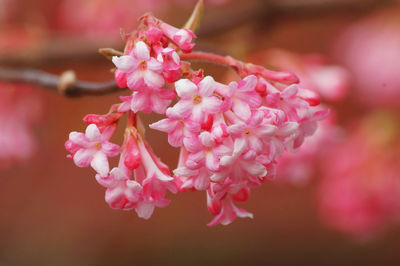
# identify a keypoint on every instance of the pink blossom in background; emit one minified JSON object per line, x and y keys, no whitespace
{"x":359,"y":193}
{"x":300,"y":167}
{"x":370,"y":50}
{"x":102,"y":18}
{"x":20,"y":110}
{"x":331,"y":82}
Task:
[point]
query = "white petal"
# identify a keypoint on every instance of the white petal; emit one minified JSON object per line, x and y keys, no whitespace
{"x":141,"y":51}
{"x":145,"y":210}
{"x":100,"y":164}
{"x":83,"y":157}
{"x":207,"y":86}
{"x":93,"y":133}
{"x":241,"y":109}
{"x":118,"y":174}
{"x":125,"y":63}
{"x":185,"y":88}
{"x":153,"y":80}
{"x":211,"y":104}
{"x":164,"y":125}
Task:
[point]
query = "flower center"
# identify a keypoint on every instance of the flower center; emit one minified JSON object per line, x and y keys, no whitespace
{"x":197,"y":98}
{"x":247,"y":132}
{"x":98,"y":145}
{"x":143,"y":65}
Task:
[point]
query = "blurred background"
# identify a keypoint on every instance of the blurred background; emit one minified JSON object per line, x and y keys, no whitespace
{"x":335,"y":202}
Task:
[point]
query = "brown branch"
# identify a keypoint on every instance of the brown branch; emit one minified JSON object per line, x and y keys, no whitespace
{"x":66,"y":83}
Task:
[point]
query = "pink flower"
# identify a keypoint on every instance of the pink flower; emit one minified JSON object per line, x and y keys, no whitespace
{"x":237,"y":165}
{"x":171,"y":64}
{"x":122,"y":192}
{"x":141,"y":70}
{"x":256,"y":131}
{"x":286,"y":101}
{"x":196,"y":100}
{"x":220,"y":204}
{"x":242,"y":96}
{"x":181,"y":37}
{"x":147,"y":100}
{"x":178,"y":129}
{"x":92,"y":148}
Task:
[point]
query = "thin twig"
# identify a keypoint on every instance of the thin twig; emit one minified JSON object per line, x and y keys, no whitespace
{"x":66,"y":83}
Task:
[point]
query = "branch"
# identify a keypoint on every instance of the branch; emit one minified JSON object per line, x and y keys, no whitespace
{"x":65,"y":84}
{"x":242,"y":68}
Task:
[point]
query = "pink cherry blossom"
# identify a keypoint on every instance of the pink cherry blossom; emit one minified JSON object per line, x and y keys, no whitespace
{"x":196,"y":100}
{"x":178,"y":129}
{"x":140,"y":68}
{"x":122,"y":192}
{"x":92,"y":148}
{"x":242,"y":96}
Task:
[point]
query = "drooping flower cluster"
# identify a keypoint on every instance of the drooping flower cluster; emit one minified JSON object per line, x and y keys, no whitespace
{"x":230,"y":135}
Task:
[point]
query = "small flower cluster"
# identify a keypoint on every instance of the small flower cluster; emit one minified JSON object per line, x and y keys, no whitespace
{"x":230,"y":135}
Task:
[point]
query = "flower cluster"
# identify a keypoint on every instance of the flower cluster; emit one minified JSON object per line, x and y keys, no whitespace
{"x":230,"y":135}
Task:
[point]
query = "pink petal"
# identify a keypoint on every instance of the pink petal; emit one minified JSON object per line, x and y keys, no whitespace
{"x":100,"y":164}
{"x":254,"y":168}
{"x":248,"y":83}
{"x":211,"y":104}
{"x":154,"y":65}
{"x":141,"y":51}
{"x":236,"y":129}
{"x":207,"y":86}
{"x":175,"y":137}
{"x":206,"y":139}
{"x":135,"y":80}
{"x":78,"y":138}
{"x":164,"y":125}
{"x":83,"y":157}
{"x":93,"y":133}
{"x":140,"y":102}
{"x":110,"y":149}
{"x":287,"y":129}
{"x":125,"y":63}
{"x":153,"y":80}
{"x":202,"y":181}
{"x":181,"y":109}
{"x":198,"y":113}
{"x":184,"y":171}
{"x":241,"y":109}
{"x":145,"y":210}
{"x":118,"y":174}
{"x":211,"y":163}
{"x":185,"y":88}
{"x":289,"y":91}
